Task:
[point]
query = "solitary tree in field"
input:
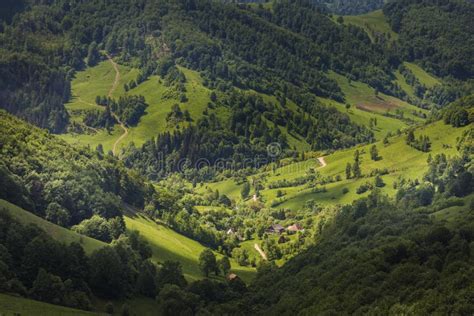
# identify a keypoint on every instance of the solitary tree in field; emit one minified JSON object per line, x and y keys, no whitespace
{"x":374,"y":153}
{"x":410,"y":137}
{"x":348,"y":170}
{"x":93,"y":55}
{"x":356,"y":156}
{"x":207,"y":262}
{"x":356,"y":169}
{"x":379,"y":182}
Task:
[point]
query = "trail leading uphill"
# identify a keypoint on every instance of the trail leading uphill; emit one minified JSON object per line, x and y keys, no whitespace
{"x":111,"y":91}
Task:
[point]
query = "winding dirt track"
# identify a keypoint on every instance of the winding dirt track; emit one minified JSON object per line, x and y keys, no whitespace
{"x":260,"y":251}
{"x":322,"y":162}
{"x":111,"y":91}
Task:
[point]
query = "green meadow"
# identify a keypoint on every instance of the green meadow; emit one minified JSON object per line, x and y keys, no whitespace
{"x":397,"y":157}
{"x":167,"y":244}
{"x":373,"y":22}
{"x":425,"y":78}
{"x":57,"y":232}
{"x":98,"y":80}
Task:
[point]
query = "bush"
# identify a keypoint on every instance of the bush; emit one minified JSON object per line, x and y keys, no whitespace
{"x":364,"y":188}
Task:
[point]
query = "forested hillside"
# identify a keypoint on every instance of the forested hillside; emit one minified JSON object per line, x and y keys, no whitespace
{"x":232,"y":46}
{"x":436,"y":34}
{"x":201,"y":157}
{"x":351,"y":7}
{"x":64,"y":185}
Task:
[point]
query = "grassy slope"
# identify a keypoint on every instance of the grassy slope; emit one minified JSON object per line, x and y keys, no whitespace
{"x":169,"y":245}
{"x":98,"y":81}
{"x":154,"y":121}
{"x":372,"y":22}
{"x":86,"y":86}
{"x":12,"y":305}
{"x":424,"y":77}
{"x":166,"y":243}
{"x":400,"y":79}
{"x":400,"y":159}
{"x":57,"y":232}
{"x":365,"y":105}
{"x":451,"y":215}
{"x":376,"y":22}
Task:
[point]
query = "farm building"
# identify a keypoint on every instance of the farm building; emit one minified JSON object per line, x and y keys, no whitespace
{"x":275,"y":229}
{"x":294,"y":228}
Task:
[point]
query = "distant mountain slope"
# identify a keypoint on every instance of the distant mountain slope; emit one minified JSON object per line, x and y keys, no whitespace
{"x":351,"y":7}
{"x":232,"y":47}
{"x":438,"y":34}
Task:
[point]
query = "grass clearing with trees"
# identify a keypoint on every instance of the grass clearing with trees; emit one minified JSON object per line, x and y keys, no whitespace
{"x":56,"y":232}
{"x":167,"y":244}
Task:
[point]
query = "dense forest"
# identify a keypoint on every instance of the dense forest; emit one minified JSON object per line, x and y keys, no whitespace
{"x":64,"y":185}
{"x":435,"y":33}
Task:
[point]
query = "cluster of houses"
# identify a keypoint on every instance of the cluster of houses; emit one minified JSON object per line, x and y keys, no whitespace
{"x":278,"y":229}
{"x":273,"y":229}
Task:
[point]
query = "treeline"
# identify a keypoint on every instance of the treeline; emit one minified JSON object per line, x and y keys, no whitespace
{"x":438,"y":34}
{"x":129,"y":109}
{"x":422,"y":143}
{"x":346,"y":49}
{"x":99,"y":119}
{"x":61,"y":184}
{"x":459,"y":113}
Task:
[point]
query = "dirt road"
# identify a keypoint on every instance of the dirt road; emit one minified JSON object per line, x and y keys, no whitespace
{"x":260,"y":251}
{"x":111,"y":91}
{"x":322,"y":162}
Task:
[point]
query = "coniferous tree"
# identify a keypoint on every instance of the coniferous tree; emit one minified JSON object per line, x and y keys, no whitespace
{"x":374,"y":154}
{"x":93,"y":55}
{"x":244,"y":192}
{"x":348,"y":170}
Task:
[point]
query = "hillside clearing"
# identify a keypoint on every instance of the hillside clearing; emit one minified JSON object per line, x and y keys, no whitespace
{"x":56,"y":232}
{"x":167,"y":244}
